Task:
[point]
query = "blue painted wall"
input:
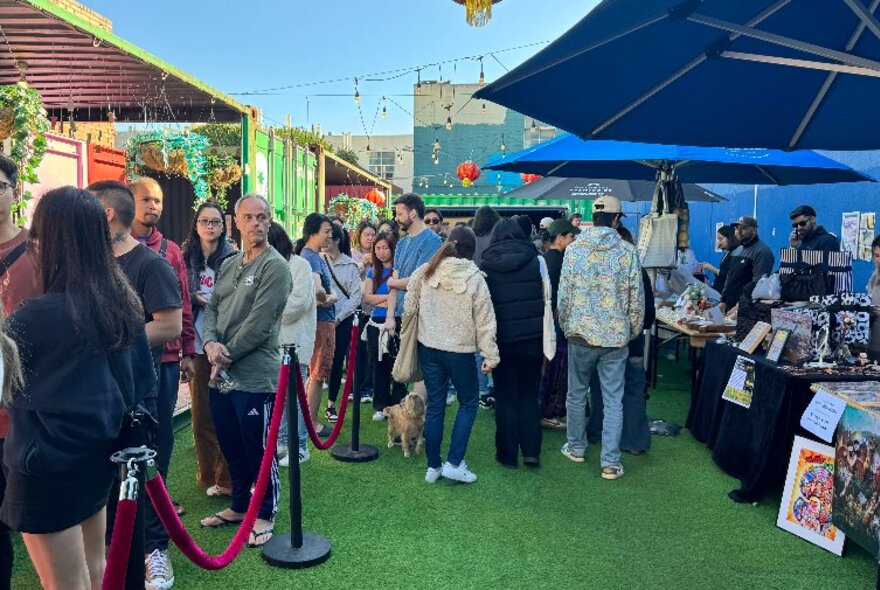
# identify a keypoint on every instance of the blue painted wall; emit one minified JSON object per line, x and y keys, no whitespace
{"x":774,"y":205}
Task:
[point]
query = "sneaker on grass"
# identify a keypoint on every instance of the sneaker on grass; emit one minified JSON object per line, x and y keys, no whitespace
{"x":331,"y":415}
{"x":303,"y":457}
{"x":433,"y":474}
{"x":553,"y":423}
{"x":367,"y":398}
{"x":487,"y":402}
{"x":450,"y":399}
{"x":612,"y":471}
{"x":378,"y":416}
{"x":460,"y":473}
{"x":568,"y":452}
{"x":159,"y":575}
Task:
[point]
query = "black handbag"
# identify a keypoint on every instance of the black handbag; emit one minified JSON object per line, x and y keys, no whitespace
{"x":806,"y":281}
{"x":139,"y":428}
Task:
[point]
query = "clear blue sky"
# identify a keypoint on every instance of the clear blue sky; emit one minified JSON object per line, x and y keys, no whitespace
{"x":258,"y":44}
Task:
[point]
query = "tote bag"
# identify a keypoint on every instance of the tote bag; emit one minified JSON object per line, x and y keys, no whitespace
{"x":549,"y":336}
{"x":407,"y":368}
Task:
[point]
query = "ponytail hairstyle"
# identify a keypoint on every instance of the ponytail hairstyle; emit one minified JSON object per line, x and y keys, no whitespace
{"x":461,"y":243}
{"x":378,"y":267}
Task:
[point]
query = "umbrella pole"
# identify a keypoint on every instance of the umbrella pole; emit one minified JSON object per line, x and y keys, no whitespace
{"x":755,"y":203}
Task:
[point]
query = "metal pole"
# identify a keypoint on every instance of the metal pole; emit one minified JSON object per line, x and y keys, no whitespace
{"x":755,"y":203}
{"x":295,"y":550}
{"x":135,"y":572}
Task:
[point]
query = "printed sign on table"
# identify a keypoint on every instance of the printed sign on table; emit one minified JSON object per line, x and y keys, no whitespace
{"x":823,"y":414}
{"x":741,"y":385}
{"x":806,"y":506}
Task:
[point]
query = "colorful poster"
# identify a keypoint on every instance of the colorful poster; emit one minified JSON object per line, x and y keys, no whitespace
{"x":806,"y":506}
{"x":857,"y":479}
{"x":849,"y":232}
{"x":718,"y":226}
{"x":741,"y":385}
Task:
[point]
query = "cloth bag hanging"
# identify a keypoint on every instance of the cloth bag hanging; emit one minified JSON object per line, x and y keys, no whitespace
{"x":407,"y":368}
{"x":549,"y":332}
{"x":658,"y":231}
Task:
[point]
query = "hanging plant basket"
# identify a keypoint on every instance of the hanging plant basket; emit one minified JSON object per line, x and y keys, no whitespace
{"x":353,"y":210}
{"x":174,"y":153}
{"x":23,"y":120}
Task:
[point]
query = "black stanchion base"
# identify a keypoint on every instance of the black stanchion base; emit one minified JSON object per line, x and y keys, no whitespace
{"x":278,"y":552}
{"x":362,"y":455}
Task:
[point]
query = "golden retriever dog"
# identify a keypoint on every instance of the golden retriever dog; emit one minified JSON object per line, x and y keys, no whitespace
{"x":408,"y":420}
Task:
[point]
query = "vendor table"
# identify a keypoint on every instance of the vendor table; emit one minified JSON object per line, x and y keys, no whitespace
{"x":754,"y":444}
{"x":666,"y":330}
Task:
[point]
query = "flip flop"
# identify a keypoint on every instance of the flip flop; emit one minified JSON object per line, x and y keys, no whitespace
{"x":223,"y":522}
{"x":257,"y":534}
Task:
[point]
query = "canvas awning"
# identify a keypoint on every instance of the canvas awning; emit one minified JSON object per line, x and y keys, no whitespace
{"x":79,"y":66}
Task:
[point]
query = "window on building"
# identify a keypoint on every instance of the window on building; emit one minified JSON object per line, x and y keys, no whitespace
{"x":382,"y":164}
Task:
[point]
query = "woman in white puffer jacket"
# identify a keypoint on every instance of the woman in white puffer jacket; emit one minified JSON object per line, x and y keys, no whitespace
{"x":455,"y":320}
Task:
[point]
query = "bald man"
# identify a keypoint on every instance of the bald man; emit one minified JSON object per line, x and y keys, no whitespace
{"x":176,"y":366}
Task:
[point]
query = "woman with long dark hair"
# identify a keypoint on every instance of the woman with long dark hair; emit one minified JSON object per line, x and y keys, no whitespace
{"x":386,"y":391}
{"x":515,"y":277}
{"x":203,"y":252}
{"x":85,"y":361}
{"x":455,"y":320}
{"x":725,"y":240}
{"x":362,"y":254}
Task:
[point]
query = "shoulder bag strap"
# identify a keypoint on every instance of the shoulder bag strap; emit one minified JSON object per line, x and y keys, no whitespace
{"x":335,"y":280}
{"x":10,"y":259}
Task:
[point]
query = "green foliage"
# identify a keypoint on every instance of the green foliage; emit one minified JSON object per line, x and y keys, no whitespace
{"x":302,"y":137}
{"x":348,"y":155}
{"x":192,"y":145}
{"x":220,"y":134}
{"x":29,"y":127}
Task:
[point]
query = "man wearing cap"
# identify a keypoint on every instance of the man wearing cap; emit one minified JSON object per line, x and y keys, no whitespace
{"x":750,"y":261}
{"x":601,"y":307}
{"x":806,"y":234}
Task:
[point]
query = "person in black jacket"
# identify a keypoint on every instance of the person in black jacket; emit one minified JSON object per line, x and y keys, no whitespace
{"x":725,"y":240}
{"x":806,"y":234}
{"x":636,"y":435}
{"x":513,"y":273}
{"x":85,"y":361}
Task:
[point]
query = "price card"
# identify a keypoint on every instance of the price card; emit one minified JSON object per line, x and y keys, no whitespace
{"x":823,"y":414}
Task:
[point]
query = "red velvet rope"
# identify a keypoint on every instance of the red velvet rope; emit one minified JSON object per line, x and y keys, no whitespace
{"x":120,"y":546}
{"x":304,"y":400}
{"x":171,"y":521}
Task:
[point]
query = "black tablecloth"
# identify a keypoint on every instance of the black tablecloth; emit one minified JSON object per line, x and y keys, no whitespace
{"x":752,"y":444}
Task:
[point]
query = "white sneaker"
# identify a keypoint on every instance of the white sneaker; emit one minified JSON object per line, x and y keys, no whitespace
{"x":378,"y":416}
{"x":433,"y":474}
{"x":450,"y":399}
{"x":303,"y":455}
{"x":280,"y":450}
{"x":460,"y":473}
{"x":159,"y":573}
{"x":284,"y":461}
{"x":366,"y":398}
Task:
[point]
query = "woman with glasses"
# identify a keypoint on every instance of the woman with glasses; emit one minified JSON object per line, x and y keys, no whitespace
{"x":85,"y":360}
{"x":362,"y":254}
{"x":204,"y":251}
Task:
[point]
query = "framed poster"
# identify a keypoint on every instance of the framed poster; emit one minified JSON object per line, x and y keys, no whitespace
{"x":718,"y":226}
{"x":849,"y":231}
{"x":857,"y":478}
{"x":807,"y":500}
{"x":754,"y":338}
{"x":866,"y":236}
{"x":741,"y":384}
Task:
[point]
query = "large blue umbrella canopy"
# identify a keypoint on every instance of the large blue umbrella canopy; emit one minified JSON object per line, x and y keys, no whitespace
{"x":553,"y":187}
{"x":570,"y":156}
{"x":785,"y":74}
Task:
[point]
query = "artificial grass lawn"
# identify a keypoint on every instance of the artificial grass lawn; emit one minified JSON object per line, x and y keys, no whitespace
{"x":668,"y":523}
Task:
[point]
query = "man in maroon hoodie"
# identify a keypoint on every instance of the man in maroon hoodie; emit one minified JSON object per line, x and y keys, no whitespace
{"x":176,"y":366}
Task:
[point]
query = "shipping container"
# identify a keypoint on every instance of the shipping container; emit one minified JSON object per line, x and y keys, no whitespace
{"x":104,"y":163}
{"x":284,"y":173}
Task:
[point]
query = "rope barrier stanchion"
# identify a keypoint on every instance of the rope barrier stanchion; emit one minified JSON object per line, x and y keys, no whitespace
{"x":166,"y":512}
{"x":123,"y":531}
{"x":132,"y":468}
{"x":296,"y":550}
{"x":354,"y":452}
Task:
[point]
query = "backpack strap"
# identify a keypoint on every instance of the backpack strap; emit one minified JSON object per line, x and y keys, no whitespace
{"x":163,"y":248}
{"x":10,"y":258}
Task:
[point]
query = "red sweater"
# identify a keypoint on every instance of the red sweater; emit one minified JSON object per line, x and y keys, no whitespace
{"x":171,"y":351}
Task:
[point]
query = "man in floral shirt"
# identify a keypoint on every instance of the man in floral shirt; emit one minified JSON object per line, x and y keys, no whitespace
{"x":601,"y":305}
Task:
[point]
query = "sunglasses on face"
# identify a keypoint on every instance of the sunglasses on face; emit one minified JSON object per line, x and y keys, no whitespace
{"x":432,"y":221}
{"x":802,"y":223}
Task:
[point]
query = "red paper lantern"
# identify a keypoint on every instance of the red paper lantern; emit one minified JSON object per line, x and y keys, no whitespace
{"x":468,"y":172}
{"x":529,"y":178}
{"x":376,"y":197}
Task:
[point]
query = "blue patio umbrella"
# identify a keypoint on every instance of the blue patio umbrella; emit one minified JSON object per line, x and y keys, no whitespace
{"x":569,"y":156}
{"x":784,"y":74}
{"x":553,"y":187}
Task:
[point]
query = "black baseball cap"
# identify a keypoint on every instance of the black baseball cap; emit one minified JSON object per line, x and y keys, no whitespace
{"x":746,"y":221}
{"x":804,"y":210}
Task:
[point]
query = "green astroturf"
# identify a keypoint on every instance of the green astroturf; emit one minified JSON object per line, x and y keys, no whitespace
{"x":668,"y":523}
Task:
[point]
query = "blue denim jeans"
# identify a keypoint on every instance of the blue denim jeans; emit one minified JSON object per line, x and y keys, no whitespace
{"x":440,"y":367}
{"x":483,"y":379}
{"x":611,"y":364}
{"x":300,"y":422}
{"x":636,"y":433}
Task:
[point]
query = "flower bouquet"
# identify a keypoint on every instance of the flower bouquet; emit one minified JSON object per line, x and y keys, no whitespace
{"x":693,"y":302}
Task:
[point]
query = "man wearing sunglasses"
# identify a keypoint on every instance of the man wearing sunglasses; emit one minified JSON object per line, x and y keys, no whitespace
{"x":434,"y":220}
{"x":806,"y":234}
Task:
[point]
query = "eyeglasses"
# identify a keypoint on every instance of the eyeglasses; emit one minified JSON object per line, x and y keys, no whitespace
{"x":210,"y":222}
{"x":5,"y":186}
{"x":802,"y":223}
{"x":432,"y":221}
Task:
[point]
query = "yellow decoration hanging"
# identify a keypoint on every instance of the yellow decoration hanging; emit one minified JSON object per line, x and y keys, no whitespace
{"x":478,"y":12}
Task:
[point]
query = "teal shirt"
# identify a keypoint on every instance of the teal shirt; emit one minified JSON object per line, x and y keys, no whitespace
{"x":245,"y":315}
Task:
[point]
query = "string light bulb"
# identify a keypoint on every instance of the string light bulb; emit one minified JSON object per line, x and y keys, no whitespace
{"x":418,"y":81}
{"x":449,"y":123}
{"x":436,"y":144}
{"x":357,"y":94}
{"x":384,"y":112}
{"x":482,"y":75}
{"x":483,"y":108}
{"x":534,"y":126}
